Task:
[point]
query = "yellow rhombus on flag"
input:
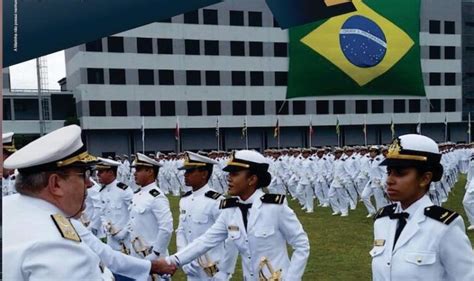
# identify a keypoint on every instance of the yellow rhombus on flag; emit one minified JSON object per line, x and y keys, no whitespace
{"x":325,"y":41}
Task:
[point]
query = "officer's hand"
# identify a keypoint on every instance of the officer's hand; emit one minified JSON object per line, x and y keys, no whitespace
{"x":161,"y":266}
{"x":152,"y":257}
{"x":191,"y":269}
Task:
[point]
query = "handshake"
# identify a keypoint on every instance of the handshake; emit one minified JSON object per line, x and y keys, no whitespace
{"x":163,"y":266}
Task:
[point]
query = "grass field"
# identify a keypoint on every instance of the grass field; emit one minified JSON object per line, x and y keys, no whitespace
{"x":339,"y":245}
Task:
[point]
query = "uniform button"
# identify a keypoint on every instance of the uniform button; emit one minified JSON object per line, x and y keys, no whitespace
{"x":388,"y":263}
{"x":251,"y":274}
{"x":249,"y":257}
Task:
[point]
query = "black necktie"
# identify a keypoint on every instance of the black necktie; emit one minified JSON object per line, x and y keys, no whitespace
{"x":244,"y":208}
{"x":102,"y":188}
{"x":402,"y":221}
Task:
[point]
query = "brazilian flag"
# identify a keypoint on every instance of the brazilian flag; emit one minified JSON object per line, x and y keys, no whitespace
{"x":372,"y":51}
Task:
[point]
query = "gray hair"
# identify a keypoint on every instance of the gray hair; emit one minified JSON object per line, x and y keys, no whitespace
{"x":31,"y":184}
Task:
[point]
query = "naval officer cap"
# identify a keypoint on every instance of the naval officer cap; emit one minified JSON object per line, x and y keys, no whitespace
{"x":61,"y":148}
{"x":414,"y":150}
{"x":145,"y":161}
{"x":194,"y":161}
{"x":8,"y":143}
{"x":106,"y":164}
{"x":252,"y":161}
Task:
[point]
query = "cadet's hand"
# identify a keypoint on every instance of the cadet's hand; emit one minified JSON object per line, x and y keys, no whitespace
{"x":162,"y":267}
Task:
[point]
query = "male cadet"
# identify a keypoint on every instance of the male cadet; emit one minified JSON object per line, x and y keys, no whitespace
{"x":338,"y":195}
{"x":116,"y":198}
{"x":260,"y":225}
{"x":39,"y":241}
{"x":151,"y":223}
{"x":8,"y":181}
{"x":199,"y":209}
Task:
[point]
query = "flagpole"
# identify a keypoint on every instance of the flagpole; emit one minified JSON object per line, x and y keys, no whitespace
{"x":246,"y":134}
{"x":178,"y":133}
{"x":445,"y":128}
{"x":218,"y":134}
{"x":365,"y":129}
{"x":310,"y":130}
{"x":143,"y":134}
{"x":278,"y":135}
{"x":469,"y":127}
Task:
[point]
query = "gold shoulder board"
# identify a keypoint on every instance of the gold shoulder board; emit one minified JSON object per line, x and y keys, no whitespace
{"x":65,"y":227}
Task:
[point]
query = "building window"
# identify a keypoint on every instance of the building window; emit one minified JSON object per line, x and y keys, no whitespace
{"x":168,"y":20}
{"x":119,"y":108}
{"x":435,"y":105}
{"x":213,"y":108}
{"x":193,"y":77}
{"x":165,"y":46}
{"x":275,"y":23}
{"x":115,"y":44}
{"x":210,"y":16}
{"x":237,"y":48}
{"x":27,"y":109}
{"x":191,"y":17}
{"x":361,"y":106}
{"x":213,"y":78}
{"x":281,"y":107}
{"x":450,"y":105}
{"x":281,"y":78}
{"x":147,"y":108}
{"x":211,"y":48}
{"x":117,"y":76}
{"x":450,"y":53}
{"x":322,"y":107}
{"x":96,"y":108}
{"x":435,"y":52}
{"x":280,"y":49}
{"x":238,"y":78}
{"x":7,"y":110}
{"x":257,"y":107}
{"x":413,"y":106}
{"x":299,"y":107}
{"x":339,"y":107}
{"x":144,"y":45}
{"x":94,"y":46}
{"x":435,"y":79}
{"x":450,"y":79}
{"x":166,"y":77}
{"x":95,"y":76}
{"x":377,"y":106}
{"x":236,"y":18}
{"x":449,"y":27}
{"x":435,"y":27}
{"x":167,"y":108}
{"x":255,"y":18}
{"x":399,"y":106}
{"x":191,"y":47}
{"x":239,"y":108}
{"x":256,"y":78}
{"x":145,"y":77}
{"x":194,"y":108}
{"x":255,"y":49}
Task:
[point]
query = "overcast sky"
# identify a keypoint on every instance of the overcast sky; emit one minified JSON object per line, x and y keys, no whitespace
{"x":23,"y":75}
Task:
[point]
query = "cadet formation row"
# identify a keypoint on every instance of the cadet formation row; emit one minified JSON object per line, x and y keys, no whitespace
{"x":78,"y":217}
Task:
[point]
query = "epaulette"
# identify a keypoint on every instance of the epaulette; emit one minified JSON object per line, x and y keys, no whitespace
{"x":229,"y":203}
{"x":377,"y":159}
{"x":353,"y":158}
{"x":212,"y":194}
{"x":280,"y":159}
{"x":273,"y":198}
{"x":324,"y":158}
{"x":385,"y":211}
{"x":154,"y":192}
{"x":121,"y":185}
{"x":441,"y":214}
{"x":136,"y":191}
{"x":186,"y":194}
{"x":66,"y":228}
{"x":342,"y":159}
{"x":13,"y":178}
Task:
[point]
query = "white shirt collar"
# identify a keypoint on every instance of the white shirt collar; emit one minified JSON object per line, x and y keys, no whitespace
{"x":413,"y":208}
{"x":202,"y":190}
{"x":257,"y":194}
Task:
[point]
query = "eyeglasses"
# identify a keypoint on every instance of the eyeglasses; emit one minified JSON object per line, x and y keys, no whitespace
{"x":86,"y":175}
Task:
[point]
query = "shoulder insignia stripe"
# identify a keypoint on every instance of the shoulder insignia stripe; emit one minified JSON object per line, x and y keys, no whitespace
{"x":273,"y":198}
{"x":441,"y":214}
{"x":229,"y":203}
{"x":186,"y":194}
{"x":154,"y":192}
{"x":385,"y":211}
{"x":66,"y":228}
{"x":212,"y":194}
{"x":121,"y":185}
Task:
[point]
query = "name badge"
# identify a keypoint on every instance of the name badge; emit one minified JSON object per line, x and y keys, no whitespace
{"x":233,"y":228}
{"x":379,"y":242}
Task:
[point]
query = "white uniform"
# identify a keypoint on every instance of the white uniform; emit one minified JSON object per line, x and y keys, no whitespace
{"x":115,"y":261}
{"x":34,"y":249}
{"x":270,"y":227}
{"x":116,"y":197}
{"x":468,"y":200}
{"x":199,"y":210}
{"x":151,"y":220}
{"x":432,"y":246}
{"x":8,"y":185}
{"x":338,"y":195}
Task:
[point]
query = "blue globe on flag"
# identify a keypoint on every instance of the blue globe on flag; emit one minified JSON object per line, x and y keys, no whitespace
{"x":362,"y":41}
